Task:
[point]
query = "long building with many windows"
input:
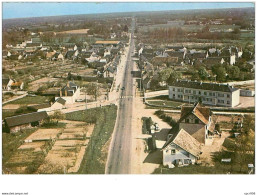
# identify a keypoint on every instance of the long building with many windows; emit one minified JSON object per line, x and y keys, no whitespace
{"x":215,"y":94}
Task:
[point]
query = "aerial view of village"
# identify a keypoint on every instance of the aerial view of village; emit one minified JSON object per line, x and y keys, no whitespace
{"x":129,"y":92}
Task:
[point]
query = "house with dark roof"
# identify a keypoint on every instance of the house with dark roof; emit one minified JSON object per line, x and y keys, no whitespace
{"x":197,"y":121}
{"x":70,"y":93}
{"x":24,"y":121}
{"x":109,"y":71}
{"x":214,"y":94}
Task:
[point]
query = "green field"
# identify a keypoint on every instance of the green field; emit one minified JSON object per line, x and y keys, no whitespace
{"x":32,"y":100}
{"x":11,"y":142}
{"x":96,"y":153}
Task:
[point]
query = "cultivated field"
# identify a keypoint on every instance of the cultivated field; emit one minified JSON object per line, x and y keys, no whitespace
{"x":67,"y":152}
{"x":78,"y":31}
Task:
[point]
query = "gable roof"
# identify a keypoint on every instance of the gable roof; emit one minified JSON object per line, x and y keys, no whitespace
{"x":185,"y":141}
{"x":175,"y":54}
{"x":203,"y":113}
{"x":61,"y":101}
{"x":25,"y":118}
{"x":17,"y":84}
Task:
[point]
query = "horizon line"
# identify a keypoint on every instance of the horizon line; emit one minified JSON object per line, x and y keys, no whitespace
{"x":128,"y":12}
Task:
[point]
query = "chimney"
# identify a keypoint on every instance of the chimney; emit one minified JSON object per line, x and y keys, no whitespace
{"x":66,"y":93}
{"x":60,"y":93}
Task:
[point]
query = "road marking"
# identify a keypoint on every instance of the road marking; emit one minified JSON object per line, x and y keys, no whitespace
{"x":129,"y":96}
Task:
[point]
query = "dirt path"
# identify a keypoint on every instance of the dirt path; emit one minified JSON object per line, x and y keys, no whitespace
{"x":216,"y":146}
{"x":138,"y":144}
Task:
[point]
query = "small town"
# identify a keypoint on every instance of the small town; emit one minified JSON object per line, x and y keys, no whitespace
{"x":162,"y":92}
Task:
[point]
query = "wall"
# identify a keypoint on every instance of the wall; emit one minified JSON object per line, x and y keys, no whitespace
{"x":20,"y":127}
{"x":235,"y":98}
{"x":169,"y":158}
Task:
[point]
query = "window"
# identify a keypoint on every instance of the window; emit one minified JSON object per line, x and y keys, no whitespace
{"x":187,"y":120}
{"x":196,"y":121}
{"x":173,"y":151}
{"x":205,"y":93}
{"x":228,"y":95}
{"x":173,"y":89}
{"x":228,"y":102}
{"x":187,"y":161}
{"x":194,"y":92}
{"x":199,"y":92}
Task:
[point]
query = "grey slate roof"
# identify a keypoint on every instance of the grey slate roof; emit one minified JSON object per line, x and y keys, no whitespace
{"x":25,"y":118}
{"x":61,"y":101}
{"x":203,"y":86}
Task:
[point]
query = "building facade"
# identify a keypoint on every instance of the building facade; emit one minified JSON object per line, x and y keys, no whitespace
{"x":214,"y":94}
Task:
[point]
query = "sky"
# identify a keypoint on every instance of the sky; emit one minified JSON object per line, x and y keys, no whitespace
{"x":22,"y":10}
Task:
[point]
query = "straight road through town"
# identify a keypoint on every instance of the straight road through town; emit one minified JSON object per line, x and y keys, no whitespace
{"x":120,"y":148}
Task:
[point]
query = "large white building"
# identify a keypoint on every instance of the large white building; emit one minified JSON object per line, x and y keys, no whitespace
{"x":214,"y":94}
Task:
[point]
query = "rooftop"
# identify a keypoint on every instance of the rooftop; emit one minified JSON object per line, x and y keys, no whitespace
{"x":204,"y":86}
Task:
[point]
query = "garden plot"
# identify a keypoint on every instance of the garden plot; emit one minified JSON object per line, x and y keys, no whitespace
{"x":35,"y":146}
{"x":24,"y":160}
{"x":11,"y":106}
{"x":68,"y":150}
{"x":33,"y":86}
{"x":43,"y":134}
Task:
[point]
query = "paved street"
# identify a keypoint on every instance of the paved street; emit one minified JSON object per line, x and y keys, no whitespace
{"x":119,"y":159}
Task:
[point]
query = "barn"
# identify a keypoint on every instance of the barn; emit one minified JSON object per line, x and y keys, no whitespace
{"x":24,"y":121}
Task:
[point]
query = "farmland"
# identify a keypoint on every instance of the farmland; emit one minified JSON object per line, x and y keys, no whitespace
{"x":78,"y":31}
{"x":48,"y":150}
{"x":96,"y":154}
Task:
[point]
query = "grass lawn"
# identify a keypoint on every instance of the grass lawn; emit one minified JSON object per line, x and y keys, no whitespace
{"x":96,"y":153}
{"x":19,"y":111}
{"x":11,"y":142}
{"x":165,"y":103}
{"x":193,"y":169}
{"x":32,"y":100}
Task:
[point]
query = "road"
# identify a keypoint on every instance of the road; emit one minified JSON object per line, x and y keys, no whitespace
{"x":120,"y":149}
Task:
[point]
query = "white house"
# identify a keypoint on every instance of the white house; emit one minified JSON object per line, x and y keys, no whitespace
{"x":70,"y":93}
{"x":181,"y":149}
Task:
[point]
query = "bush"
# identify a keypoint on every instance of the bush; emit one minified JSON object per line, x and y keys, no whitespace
{"x":165,"y":118}
{"x":147,"y":123}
